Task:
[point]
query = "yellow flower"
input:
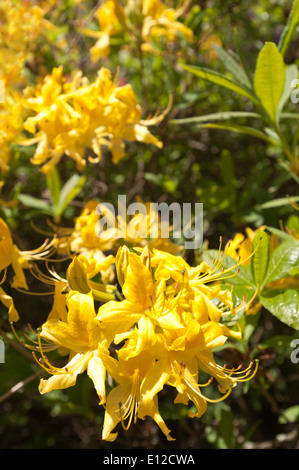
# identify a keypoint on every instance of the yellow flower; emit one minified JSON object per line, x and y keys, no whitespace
{"x":163,"y":343}
{"x":125,"y":401}
{"x":74,"y":117}
{"x":111,"y":19}
{"x":21,"y":23}
{"x":152,"y":17}
{"x":85,"y":238}
{"x":160,"y":21}
{"x":10,"y":255}
{"x":80,"y":336}
{"x":240,"y":247}
{"x":8,"y":302}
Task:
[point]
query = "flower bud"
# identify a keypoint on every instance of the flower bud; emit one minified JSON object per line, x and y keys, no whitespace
{"x":122,"y":262}
{"x":77,"y":277}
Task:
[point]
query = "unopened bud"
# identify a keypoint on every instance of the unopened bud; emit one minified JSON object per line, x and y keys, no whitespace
{"x":122,"y":263}
{"x":77,"y":277}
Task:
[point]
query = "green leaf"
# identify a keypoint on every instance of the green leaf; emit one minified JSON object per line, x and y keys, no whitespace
{"x":290,"y":415}
{"x":269,"y":78}
{"x":219,"y":79}
{"x":283,"y":304}
{"x":232,"y":66}
{"x":36,"y":203}
{"x":294,"y":271}
{"x":280,"y":233}
{"x":260,"y":259}
{"x":240,"y":129}
{"x":290,"y":29}
{"x":277,"y":341}
{"x":283,"y":258}
{"x":221,"y":116}
{"x":279,"y":202}
{"x":68,"y":192}
{"x":54,"y":185}
{"x":293,"y":223}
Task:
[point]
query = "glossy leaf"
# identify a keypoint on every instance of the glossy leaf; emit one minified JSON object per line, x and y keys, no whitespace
{"x":260,"y":258}
{"x":283,"y":304}
{"x":284,"y":258}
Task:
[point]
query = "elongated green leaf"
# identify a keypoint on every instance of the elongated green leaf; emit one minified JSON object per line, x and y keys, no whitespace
{"x":279,"y":202}
{"x":232,"y":66}
{"x":54,"y":185}
{"x":284,"y":258}
{"x":269,"y":78}
{"x":260,"y":258}
{"x":284,"y":305}
{"x":69,"y":191}
{"x":35,"y":203}
{"x":280,"y":233}
{"x":290,"y":29}
{"x":241,"y":130}
{"x":219,"y":79}
{"x":222,"y":116}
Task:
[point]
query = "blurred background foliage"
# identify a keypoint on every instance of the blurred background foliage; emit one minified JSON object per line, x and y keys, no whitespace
{"x":238,"y":178}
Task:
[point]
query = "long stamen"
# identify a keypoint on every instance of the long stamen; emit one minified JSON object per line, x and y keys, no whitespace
{"x":131,"y":404}
{"x":177,"y":299}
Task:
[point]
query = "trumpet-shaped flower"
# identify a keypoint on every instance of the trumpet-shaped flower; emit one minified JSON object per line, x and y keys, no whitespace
{"x":78,"y":334}
{"x":151,"y":327}
{"x":125,"y":401}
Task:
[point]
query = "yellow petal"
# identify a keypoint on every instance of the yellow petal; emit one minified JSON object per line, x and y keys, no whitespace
{"x":13,"y":315}
{"x":97,"y":372}
{"x":138,"y":287}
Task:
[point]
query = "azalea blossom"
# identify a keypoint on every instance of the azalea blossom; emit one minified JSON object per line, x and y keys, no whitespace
{"x":76,"y":334}
{"x":152,"y":17}
{"x":153,"y":325}
{"x":72,"y":117}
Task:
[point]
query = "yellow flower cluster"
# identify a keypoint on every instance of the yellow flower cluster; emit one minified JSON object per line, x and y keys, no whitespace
{"x":20,"y":24}
{"x":73,"y":116}
{"x":144,"y":20}
{"x":150,"y":321}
